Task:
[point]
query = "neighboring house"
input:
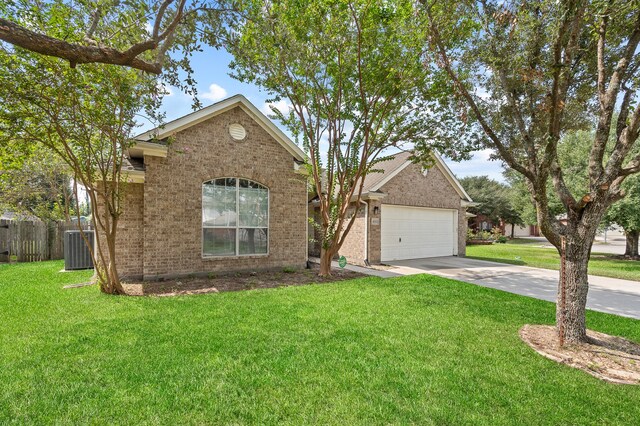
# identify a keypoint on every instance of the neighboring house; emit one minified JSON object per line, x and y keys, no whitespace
{"x":521,"y":230}
{"x":408,"y":212}
{"x":217,"y":190}
{"x":481,"y":222}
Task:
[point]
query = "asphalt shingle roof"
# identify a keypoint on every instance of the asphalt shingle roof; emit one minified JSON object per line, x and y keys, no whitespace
{"x":386,"y":168}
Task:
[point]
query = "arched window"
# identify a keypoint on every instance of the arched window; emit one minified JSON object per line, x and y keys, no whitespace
{"x":235,"y":217}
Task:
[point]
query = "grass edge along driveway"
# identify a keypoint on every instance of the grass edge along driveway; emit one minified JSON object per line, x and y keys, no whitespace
{"x":418,"y":349}
{"x":523,"y":252}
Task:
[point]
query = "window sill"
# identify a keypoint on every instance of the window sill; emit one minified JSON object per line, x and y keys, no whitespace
{"x":241,"y":256}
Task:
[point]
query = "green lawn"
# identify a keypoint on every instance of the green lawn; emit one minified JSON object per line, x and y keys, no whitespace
{"x":529,"y":253}
{"x":413,"y":350}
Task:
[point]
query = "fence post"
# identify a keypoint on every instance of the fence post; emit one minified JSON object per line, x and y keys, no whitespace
{"x":4,"y":241}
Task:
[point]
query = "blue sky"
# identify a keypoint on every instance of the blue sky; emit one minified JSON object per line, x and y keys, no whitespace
{"x":211,"y":69}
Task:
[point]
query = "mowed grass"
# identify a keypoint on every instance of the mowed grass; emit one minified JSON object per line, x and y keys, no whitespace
{"x":529,"y":253}
{"x":413,"y":350}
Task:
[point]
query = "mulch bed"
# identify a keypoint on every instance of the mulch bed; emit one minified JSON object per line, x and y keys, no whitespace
{"x":236,"y":282}
{"x":609,"y":358}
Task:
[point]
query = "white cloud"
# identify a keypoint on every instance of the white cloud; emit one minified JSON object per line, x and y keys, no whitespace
{"x":282,"y":105}
{"x":215,"y":93}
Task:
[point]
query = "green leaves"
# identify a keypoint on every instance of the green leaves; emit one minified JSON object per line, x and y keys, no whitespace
{"x":355,"y":75}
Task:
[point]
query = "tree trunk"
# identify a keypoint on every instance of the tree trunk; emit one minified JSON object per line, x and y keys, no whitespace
{"x":326,"y":256}
{"x":631,"y":249}
{"x":513,"y":230}
{"x":111,"y":283}
{"x":571,"y":306}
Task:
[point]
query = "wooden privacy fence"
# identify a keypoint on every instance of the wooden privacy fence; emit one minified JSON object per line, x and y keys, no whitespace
{"x":33,"y":241}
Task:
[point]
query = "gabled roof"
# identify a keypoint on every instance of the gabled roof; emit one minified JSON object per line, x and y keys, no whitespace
{"x":148,"y":140}
{"x":388,"y":169}
{"x":392,"y":167}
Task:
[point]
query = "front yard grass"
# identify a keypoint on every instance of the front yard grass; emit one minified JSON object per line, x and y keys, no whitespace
{"x":517,"y":252}
{"x":412,"y":350}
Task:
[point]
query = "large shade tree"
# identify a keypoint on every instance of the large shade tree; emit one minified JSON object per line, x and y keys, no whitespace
{"x":92,"y":31}
{"x":352,"y":72}
{"x":34,"y":182}
{"x":529,"y":71}
{"x":492,"y":199}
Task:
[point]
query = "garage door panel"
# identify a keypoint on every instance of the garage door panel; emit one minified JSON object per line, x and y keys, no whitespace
{"x":409,"y":233}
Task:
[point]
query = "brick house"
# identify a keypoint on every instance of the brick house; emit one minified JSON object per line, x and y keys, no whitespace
{"x":407,"y":213}
{"x":219,"y":189}
{"x":222,"y":189}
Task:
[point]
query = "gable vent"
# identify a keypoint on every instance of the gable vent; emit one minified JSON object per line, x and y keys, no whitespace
{"x":237,"y":132}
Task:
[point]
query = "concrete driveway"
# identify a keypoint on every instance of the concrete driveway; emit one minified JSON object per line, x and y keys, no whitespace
{"x":610,"y":295}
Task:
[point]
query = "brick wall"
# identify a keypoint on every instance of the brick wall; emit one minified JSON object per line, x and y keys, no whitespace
{"x":173,"y":198}
{"x":130,"y":233}
{"x":353,"y":246}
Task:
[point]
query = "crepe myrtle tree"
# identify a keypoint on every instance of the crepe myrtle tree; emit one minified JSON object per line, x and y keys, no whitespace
{"x":84,"y":116}
{"x":528,"y":72}
{"x":353,"y":75}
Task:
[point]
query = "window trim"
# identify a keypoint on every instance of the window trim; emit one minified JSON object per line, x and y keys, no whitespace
{"x":237,"y":228}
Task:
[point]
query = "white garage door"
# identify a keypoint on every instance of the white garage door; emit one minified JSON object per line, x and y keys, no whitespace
{"x":413,"y":232}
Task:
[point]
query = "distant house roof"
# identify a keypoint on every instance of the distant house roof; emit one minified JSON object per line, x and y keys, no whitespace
{"x":390,"y":168}
{"x":17,"y":216}
{"x":151,"y":143}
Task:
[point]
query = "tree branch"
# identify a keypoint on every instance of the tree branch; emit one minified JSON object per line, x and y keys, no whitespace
{"x":76,"y":53}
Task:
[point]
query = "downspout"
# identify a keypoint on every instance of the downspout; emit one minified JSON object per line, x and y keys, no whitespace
{"x":366,"y":232}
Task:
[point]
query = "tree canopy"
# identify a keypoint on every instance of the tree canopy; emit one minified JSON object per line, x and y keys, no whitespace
{"x":493,"y":199}
{"x":528,"y":73}
{"x":353,"y":74}
{"x":34,"y":182}
{"x":86,"y":118}
{"x":136,"y":33}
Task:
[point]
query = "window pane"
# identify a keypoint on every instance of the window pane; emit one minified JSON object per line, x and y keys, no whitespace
{"x":219,"y":203}
{"x":254,"y":206}
{"x":253,"y":241}
{"x":219,"y":242}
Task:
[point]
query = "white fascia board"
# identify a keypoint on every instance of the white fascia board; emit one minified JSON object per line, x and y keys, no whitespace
{"x":451,"y":178}
{"x":368,"y":196}
{"x":142,"y":148}
{"x":131,"y":176}
{"x":448,"y":174}
{"x":135,"y":176}
{"x":218,"y":108}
